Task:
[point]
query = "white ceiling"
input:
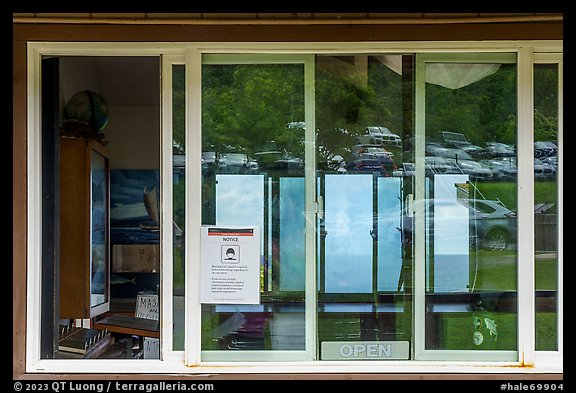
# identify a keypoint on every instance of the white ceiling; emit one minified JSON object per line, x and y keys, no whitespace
{"x":122,"y":81}
{"x":129,"y":81}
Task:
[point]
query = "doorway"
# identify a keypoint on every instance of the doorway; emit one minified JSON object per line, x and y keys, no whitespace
{"x":105,"y":135}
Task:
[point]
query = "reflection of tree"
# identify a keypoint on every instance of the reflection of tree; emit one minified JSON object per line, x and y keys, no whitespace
{"x":484,"y":111}
{"x":178,"y":105}
{"x":342,"y":104}
{"x":546,"y":102}
{"x":344,"y":108}
{"x":246,"y":106}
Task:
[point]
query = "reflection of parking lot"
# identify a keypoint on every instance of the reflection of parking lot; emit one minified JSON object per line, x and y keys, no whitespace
{"x":489,"y":221}
{"x":492,"y":161}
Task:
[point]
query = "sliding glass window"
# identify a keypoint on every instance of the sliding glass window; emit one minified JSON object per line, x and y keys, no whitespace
{"x":546,"y":204}
{"x":253,"y":264}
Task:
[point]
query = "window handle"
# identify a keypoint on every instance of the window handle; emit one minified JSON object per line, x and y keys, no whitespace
{"x":409,"y":205}
{"x":320,"y":207}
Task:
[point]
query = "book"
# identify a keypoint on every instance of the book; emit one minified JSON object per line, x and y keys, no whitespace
{"x":81,"y":340}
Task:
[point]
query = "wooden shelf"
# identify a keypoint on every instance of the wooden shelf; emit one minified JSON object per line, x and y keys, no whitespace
{"x":126,"y":324}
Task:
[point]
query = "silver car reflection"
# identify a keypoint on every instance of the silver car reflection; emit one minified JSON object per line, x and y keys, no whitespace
{"x":492,"y":225}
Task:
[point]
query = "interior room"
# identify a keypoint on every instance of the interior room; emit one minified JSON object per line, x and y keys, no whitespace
{"x":109,"y":192}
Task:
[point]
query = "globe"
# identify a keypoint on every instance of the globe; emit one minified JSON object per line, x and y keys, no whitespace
{"x":88,"y":107}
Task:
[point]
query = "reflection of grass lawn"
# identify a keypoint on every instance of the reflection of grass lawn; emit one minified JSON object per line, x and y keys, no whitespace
{"x":506,"y":192}
{"x":457,"y":331}
{"x":497,"y":271}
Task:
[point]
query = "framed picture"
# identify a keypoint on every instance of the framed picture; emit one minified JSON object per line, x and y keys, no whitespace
{"x":134,"y":206}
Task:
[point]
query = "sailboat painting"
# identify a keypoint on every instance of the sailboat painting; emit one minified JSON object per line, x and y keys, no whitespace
{"x":150,"y":199}
{"x":134,"y":206}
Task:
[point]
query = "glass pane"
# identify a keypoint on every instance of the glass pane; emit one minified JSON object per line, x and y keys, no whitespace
{"x":348,"y":224}
{"x":178,"y":207}
{"x":470,"y":206}
{"x":389,"y":238}
{"x":253,"y":177}
{"x":292,"y":235}
{"x":546,"y":205}
{"x":99,"y":184}
{"x":362,"y":145}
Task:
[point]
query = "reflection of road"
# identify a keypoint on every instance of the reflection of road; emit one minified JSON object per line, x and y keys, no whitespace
{"x":546,"y":255}
{"x":492,"y":259}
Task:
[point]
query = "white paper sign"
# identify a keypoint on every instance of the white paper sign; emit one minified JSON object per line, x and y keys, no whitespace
{"x":147,"y":307}
{"x":230,"y":265}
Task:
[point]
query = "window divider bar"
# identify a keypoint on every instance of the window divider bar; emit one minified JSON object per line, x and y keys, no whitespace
{"x":34,"y":210}
{"x":310,"y":206}
{"x":193,"y":203}
{"x":419,"y":269}
{"x":166,"y":201}
{"x":560,"y":181}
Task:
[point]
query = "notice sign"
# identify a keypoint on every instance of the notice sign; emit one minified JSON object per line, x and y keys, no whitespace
{"x":230,"y":267}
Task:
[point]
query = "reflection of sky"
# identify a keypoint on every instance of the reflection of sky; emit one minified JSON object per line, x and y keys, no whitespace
{"x":348,"y":219}
{"x":451,"y":236}
{"x":389,"y":238}
{"x":451,"y":219}
{"x":292,"y":234}
{"x":240,"y":200}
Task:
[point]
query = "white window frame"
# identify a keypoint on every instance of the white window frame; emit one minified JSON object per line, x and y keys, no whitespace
{"x":420,"y":240}
{"x":555,"y":358}
{"x":190,"y":54}
{"x":194,"y":353}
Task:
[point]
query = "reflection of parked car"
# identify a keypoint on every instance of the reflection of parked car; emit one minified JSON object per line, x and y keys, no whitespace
{"x":430,"y":148}
{"x":287,"y":164}
{"x":233,"y":163}
{"x":380,"y":136}
{"x":375,"y":150}
{"x":368,"y":165}
{"x":498,"y":149}
{"x":371,"y":158}
{"x":501,"y":169}
{"x":543,"y":168}
{"x":473,"y":169}
{"x":433,"y":165}
{"x":450,"y":152}
{"x":405,"y":169}
{"x":474,"y":150}
{"x":208,"y":157}
{"x":460,"y":141}
{"x":552,"y":161}
{"x":545,"y":149}
{"x":462,"y":162}
{"x":277,"y":161}
{"x":496,"y":225}
{"x":436,"y":165}
{"x":455,"y":139}
{"x":492,"y":225}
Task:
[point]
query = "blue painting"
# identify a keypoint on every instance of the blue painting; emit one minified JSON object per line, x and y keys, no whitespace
{"x":134,"y":206}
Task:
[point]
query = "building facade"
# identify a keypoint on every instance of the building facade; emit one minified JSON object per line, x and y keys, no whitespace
{"x":305,"y":194}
